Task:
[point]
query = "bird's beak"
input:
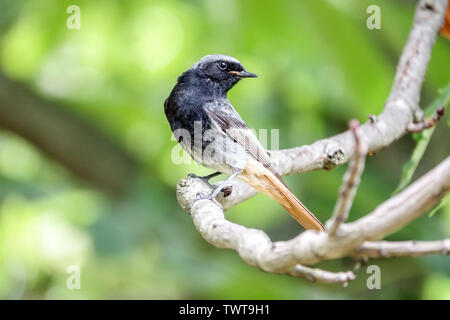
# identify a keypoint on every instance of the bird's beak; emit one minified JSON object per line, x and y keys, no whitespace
{"x":244,"y":74}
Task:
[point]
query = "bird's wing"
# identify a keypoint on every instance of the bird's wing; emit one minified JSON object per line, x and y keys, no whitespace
{"x":263,"y":177}
{"x":226,"y":117}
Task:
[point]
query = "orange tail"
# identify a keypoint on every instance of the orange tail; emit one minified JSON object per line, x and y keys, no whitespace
{"x":271,"y":184}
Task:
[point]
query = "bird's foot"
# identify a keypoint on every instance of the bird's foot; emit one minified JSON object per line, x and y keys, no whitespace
{"x":202,"y":196}
{"x":205,"y":179}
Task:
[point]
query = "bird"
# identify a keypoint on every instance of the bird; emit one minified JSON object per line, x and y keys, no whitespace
{"x":207,"y":126}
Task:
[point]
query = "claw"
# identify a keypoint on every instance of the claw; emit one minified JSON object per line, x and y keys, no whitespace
{"x":205,"y":179}
{"x":202,"y":196}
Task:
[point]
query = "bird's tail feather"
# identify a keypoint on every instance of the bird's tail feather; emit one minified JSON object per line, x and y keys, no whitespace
{"x":271,"y":184}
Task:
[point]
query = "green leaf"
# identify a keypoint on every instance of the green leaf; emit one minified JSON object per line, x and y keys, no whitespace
{"x":422,"y":139}
{"x":444,"y":202}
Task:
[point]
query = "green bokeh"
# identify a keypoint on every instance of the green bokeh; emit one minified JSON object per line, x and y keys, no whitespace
{"x":319,"y":66}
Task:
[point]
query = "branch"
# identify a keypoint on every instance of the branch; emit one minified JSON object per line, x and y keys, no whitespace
{"x":318,"y":275}
{"x":388,"y":249}
{"x":311,"y":247}
{"x":351,"y":180}
{"x":408,"y":205}
{"x":426,"y":123}
{"x":401,"y":109}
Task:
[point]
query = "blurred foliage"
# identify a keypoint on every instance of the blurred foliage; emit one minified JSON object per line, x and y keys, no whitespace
{"x":319,"y":66}
{"x":422,"y":139}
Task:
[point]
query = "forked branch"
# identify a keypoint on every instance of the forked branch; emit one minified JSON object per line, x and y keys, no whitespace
{"x":359,"y":238}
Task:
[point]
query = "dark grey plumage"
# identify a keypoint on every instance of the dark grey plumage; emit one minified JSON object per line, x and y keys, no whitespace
{"x":198,"y":108}
{"x":200,"y":95}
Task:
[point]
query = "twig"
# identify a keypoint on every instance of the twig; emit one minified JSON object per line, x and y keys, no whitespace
{"x":389,"y":249}
{"x":426,"y":123}
{"x":323,"y":276}
{"x":351,"y":180}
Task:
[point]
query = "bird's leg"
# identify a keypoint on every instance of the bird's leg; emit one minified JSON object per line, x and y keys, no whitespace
{"x":213,"y":194}
{"x":235,"y":173}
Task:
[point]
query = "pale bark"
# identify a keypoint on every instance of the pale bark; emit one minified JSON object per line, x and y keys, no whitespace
{"x":351,"y":239}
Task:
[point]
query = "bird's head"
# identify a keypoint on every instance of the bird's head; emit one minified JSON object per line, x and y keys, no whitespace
{"x":220,"y":71}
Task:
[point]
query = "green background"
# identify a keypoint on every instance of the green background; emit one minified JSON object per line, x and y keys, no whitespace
{"x":319,"y":66}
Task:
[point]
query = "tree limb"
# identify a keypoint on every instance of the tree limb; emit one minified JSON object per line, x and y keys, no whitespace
{"x":310,"y":247}
{"x":400,"y":110}
{"x":389,"y":249}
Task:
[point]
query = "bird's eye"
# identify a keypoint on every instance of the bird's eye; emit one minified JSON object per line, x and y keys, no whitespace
{"x":222,"y":65}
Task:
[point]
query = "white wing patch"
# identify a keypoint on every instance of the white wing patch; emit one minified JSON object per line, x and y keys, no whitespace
{"x":229,"y":121}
